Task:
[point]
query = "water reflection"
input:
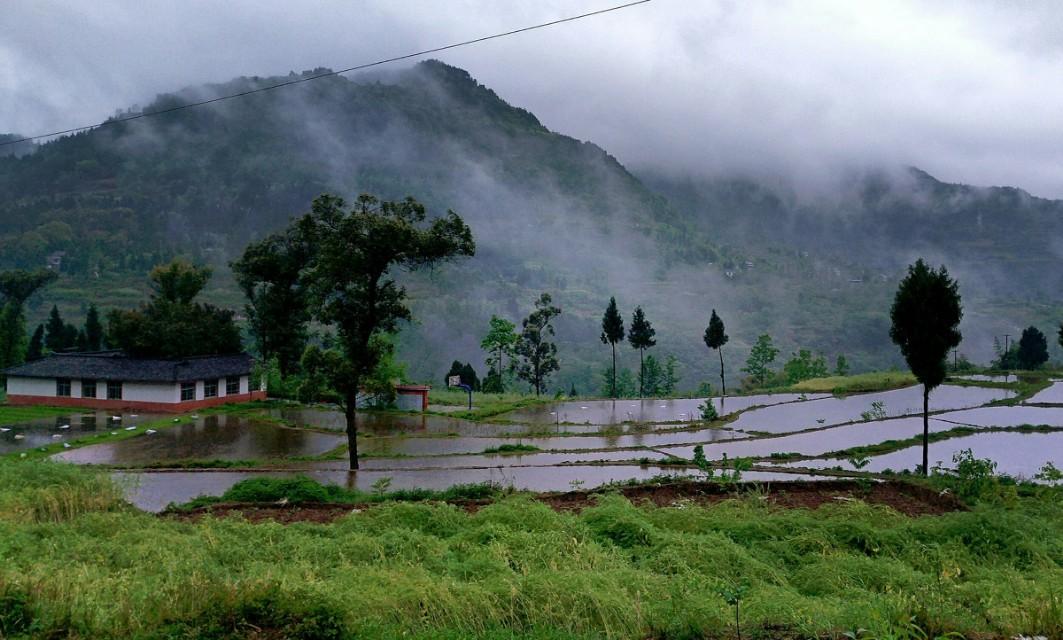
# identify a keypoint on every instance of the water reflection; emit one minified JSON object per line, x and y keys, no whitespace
{"x":39,"y":432}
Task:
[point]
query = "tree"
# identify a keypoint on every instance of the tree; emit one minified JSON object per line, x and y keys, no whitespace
{"x":651,"y":376}
{"x":171,"y":324}
{"x":270,"y":275}
{"x":16,"y":287}
{"x":925,"y":317}
{"x":346,"y":275}
{"x":1033,"y":349}
{"x":612,"y":333}
{"x":55,"y":334}
{"x":715,"y":338}
{"x":670,"y":376}
{"x":802,"y":366}
{"x":536,"y":351}
{"x":758,"y":365}
{"x":499,"y":342}
{"x":93,"y":329}
{"x":841,"y":366}
{"x":36,"y":347}
{"x":640,"y":336}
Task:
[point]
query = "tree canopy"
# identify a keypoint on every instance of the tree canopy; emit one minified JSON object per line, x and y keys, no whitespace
{"x":499,"y":342}
{"x":761,"y":356}
{"x":171,"y":324}
{"x":536,"y":350}
{"x":715,"y":338}
{"x":641,"y":336}
{"x":612,"y":333}
{"x":1033,"y":349}
{"x":16,"y":286}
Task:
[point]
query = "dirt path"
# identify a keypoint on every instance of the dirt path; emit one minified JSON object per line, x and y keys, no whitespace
{"x":909,"y":499}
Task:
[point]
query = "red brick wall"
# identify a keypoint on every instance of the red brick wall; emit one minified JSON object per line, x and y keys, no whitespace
{"x":147,"y":407}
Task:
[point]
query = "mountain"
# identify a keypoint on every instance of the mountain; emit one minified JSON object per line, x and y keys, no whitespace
{"x":549,"y":212}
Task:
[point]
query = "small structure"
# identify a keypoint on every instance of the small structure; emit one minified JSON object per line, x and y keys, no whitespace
{"x":113,"y":380}
{"x":412,"y":397}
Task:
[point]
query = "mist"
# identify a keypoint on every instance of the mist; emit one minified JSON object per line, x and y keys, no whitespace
{"x":789,"y":91}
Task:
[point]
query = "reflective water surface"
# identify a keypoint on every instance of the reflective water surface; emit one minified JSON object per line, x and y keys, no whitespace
{"x":39,"y":432}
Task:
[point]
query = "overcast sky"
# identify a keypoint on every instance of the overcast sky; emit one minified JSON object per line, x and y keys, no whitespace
{"x":970,"y":91}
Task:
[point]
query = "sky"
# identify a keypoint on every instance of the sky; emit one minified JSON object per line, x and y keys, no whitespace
{"x":969,"y":91}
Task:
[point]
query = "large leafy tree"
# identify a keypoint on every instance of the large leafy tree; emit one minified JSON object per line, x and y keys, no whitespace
{"x":1033,"y":349}
{"x":346,"y":273}
{"x":612,"y":333}
{"x":535,"y":349}
{"x":270,"y":274}
{"x":804,"y":366}
{"x":16,"y":287}
{"x":761,"y":357}
{"x":640,"y":336}
{"x":926,"y":315}
{"x":715,"y":338}
{"x":498,"y":343}
{"x":172,"y":324}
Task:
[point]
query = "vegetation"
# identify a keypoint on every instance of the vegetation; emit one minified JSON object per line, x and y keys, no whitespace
{"x":511,"y":449}
{"x":926,"y":315}
{"x":16,"y":287}
{"x":803,"y":366}
{"x":535,"y":349}
{"x":859,"y":383}
{"x":715,"y":338}
{"x":1033,"y":349}
{"x":640,"y":336}
{"x":612,"y":333}
{"x":171,"y":324}
{"x":516,"y":567}
{"x":758,"y":365}
{"x":498,"y":343}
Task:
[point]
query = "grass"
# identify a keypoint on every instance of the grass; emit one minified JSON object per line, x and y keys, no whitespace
{"x":859,"y":383}
{"x":77,"y":563}
{"x":10,"y":414}
{"x":485,"y":405}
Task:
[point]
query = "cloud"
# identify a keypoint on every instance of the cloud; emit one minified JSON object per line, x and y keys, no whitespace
{"x":966,"y":90}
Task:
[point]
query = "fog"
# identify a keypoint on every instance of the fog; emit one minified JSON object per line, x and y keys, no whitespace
{"x":795,"y":91}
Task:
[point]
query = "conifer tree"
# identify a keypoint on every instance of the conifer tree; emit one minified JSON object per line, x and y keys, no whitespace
{"x":715,"y":338}
{"x":612,"y":333}
{"x":640,"y":336}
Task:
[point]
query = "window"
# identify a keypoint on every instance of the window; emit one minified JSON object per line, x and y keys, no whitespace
{"x":210,"y":388}
{"x":114,"y":389}
{"x":88,"y":388}
{"x":232,"y":385}
{"x":188,"y":391}
{"x":62,"y":387}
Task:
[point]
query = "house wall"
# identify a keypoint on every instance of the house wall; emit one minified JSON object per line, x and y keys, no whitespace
{"x":135,"y":395}
{"x":157,"y":407}
{"x":31,"y":387}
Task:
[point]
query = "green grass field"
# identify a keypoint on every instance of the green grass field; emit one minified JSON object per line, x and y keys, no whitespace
{"x":76,"y":563}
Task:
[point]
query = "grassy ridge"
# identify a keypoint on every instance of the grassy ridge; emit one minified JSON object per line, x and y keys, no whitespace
{"x":92,"y":568}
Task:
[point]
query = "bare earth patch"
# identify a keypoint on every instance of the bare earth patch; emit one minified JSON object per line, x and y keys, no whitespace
{"x":909,"y":499}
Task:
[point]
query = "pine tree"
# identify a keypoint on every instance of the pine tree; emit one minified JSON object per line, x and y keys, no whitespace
{"x":612,"y":333}
{"x":715,"y":338}
{"x":640,"y":336}
{"x":925,"y":316}
{"x":36,"y":347}
{"x":1033,"y":349}
{"x":93,"y":329}
{"x":55,"y":331}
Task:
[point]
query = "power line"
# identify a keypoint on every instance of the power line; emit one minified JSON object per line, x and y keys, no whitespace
{"x":359,"y":67}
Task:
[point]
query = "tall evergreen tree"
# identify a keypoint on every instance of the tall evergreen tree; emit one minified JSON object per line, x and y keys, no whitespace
{"x":93,"y":329}
{"x":715,"y":338}
{"x":612,"y":333}
{"x":925,"y":316}
{"x":36,"y":347}
{"x":640,"y":336}
{"x":1033,"y":349}
{"x":55,"y":331}
{"x":535,"y":349}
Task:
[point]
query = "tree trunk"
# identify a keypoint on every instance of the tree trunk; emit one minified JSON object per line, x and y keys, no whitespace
{"x":350,"y":412}
{"x":642,"y":371}
{"x":926,"y":430}
{"x":614,"y":370}
{"x":723,"y":381}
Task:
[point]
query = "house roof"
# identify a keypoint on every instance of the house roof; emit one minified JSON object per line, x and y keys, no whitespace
{"x":115,"y":365}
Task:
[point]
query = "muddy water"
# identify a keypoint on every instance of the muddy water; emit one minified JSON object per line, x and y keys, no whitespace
{"x":152,"y":491}
{"x":1016,"y":454}
{"x":815,"y":443}
{"x":216,"y":436}
{"x":44,"y":431}
{"x":831,"y":411}
{"x":1051,"y":395}
{"x":607,"y":412}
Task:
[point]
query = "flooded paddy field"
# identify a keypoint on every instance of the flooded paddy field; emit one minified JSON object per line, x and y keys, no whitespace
{"x":39,"y":432}
{"x":1051,"y":395}
{"x":434,"y":451}
{"x":1017,"y":454}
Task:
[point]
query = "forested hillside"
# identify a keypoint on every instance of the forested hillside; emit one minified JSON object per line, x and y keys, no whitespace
{"x":550,"y":213}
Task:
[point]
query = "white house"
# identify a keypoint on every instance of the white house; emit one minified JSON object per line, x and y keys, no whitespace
{"x":113,"y":380}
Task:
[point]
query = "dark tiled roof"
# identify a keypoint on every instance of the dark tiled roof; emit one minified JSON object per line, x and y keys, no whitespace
{"x":115,"y":365}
